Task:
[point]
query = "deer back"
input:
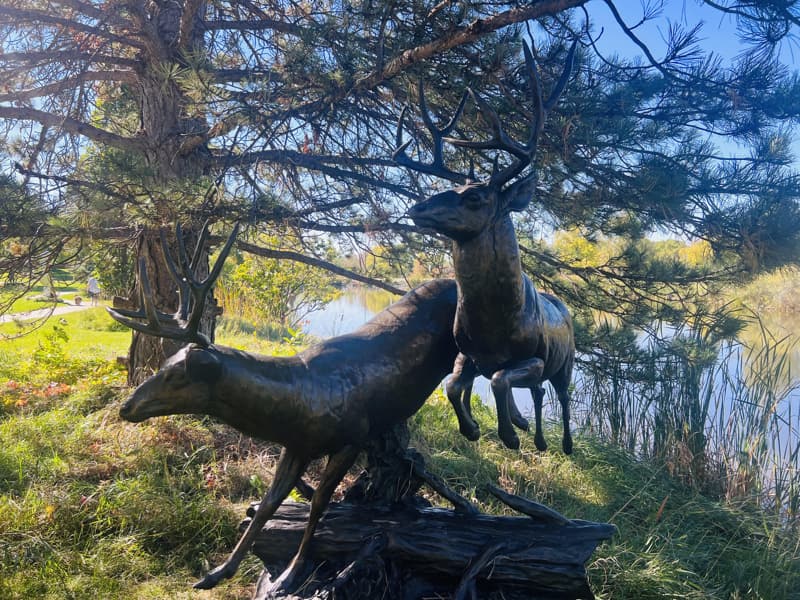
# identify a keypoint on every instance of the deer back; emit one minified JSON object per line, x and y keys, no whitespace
{"x":341,"y":391}
{"x":395,"y":361}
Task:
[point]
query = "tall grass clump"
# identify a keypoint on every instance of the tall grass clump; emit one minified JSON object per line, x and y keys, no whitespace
{"x":673,"y":541}
{"x":717,"y":414}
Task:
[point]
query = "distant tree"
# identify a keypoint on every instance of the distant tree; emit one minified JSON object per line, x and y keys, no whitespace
{"x":283,"y":292}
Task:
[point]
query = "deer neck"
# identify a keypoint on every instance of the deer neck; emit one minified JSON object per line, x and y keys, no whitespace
{"x":489,"y":273}
{"x":260,"y":395}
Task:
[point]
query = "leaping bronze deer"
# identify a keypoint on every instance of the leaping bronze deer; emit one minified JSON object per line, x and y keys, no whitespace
{"x":326,"y":401}
{"x":506,"y":330}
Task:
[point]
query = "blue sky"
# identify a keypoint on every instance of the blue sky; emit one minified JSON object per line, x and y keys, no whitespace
{"x":718,"y":34}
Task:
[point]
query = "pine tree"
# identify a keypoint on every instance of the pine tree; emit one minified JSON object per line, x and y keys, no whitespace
{"x":282,"y":114}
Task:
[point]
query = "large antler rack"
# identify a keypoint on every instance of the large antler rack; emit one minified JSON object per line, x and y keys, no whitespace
{"x":436,"y":167}
{"x":523,"y":153}
{"x":185,"y":323}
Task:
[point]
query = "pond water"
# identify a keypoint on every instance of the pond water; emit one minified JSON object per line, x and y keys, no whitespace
{"x":357,"y":305}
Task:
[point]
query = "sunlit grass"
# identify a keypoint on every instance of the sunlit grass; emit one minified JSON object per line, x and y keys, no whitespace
{"x":34,"y":299}
{"x":94,"y":507}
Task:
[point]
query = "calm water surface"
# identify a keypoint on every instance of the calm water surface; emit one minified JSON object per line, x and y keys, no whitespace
{"x":358,"y":305}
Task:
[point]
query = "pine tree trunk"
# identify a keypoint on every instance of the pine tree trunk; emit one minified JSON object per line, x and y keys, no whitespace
{"x":165,"y":127}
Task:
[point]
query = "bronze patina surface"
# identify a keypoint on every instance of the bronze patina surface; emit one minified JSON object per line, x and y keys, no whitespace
{"x":505,"y":329}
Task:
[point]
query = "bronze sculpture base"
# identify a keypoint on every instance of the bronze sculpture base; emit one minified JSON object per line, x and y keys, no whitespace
{"x":382,"y":542}
{"x":367,"y":553}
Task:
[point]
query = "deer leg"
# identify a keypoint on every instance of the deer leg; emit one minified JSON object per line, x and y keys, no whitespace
{"x":290,"y":468}
{"x":538,"y":396}
{"x":516,"y":416}
{"x":566,"y":442}
{"x":335,"y":470}
{"x":459,"y":392}
{"x":526,"y":373}
{"x":561,"y":382}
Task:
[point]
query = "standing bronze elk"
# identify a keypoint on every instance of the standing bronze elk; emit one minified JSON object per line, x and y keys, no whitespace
{"x":326,"y":401}
{"x":506,"y":330}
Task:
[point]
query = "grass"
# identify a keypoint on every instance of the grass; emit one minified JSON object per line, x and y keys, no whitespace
{"x":94,"y":507}
{"x":34,"y":299}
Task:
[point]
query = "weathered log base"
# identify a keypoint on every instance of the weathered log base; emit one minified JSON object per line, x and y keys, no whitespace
{"x":363,"y":552}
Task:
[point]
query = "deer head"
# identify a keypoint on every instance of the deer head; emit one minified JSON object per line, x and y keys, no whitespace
{"x":183,"y":385}
{"x":471,"y":207}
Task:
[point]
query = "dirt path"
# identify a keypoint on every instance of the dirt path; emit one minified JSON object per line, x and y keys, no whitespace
{"x":61,"y":309}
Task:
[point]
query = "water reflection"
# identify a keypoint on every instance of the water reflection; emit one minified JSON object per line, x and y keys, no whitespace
{"x":358,"y":304}
{"x":348,"y":312}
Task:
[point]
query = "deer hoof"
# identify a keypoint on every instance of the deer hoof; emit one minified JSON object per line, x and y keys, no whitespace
{"x":510,"y":439}
{"x":471,"y":431}
{"x":213,"y":577}
{"x":288,"y":580}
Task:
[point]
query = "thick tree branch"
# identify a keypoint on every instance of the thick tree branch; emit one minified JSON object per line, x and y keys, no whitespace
{"x":235,"y":75}
{"x":190,"y":21}
{"x":80,"y":183}
{"x":108,"y":14}
{"x":457,"y":37}
{"x":70,"y":125}
{"x":319,"y":164}
{"x":33,"y":58}
{"x":255,"y":25}
{"x":64,"y":84}
{"x":316,"y":262}
{"x":16,"y":15}
{"x":357,"y":228}
{"x":304,"y":158}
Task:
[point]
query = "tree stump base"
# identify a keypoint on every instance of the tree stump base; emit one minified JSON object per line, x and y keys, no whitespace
{"x":385,"y":542}
{"x":403,"y":553}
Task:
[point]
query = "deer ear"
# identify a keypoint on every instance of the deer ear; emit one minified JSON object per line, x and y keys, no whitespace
{"x":519,"y":194}
{"x":203,"y":365}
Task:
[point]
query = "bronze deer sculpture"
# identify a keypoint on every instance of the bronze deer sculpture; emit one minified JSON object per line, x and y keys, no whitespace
{"x":326,"y":401}
{"x":504,"y":328}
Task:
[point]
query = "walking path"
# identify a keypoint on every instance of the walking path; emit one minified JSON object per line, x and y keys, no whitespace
{"x":61,"y":309}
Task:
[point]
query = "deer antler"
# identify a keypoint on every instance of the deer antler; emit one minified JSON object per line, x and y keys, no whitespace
{"x":523,"y":153}
{"x":185,"y":323}
{"x":436,"y":167}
